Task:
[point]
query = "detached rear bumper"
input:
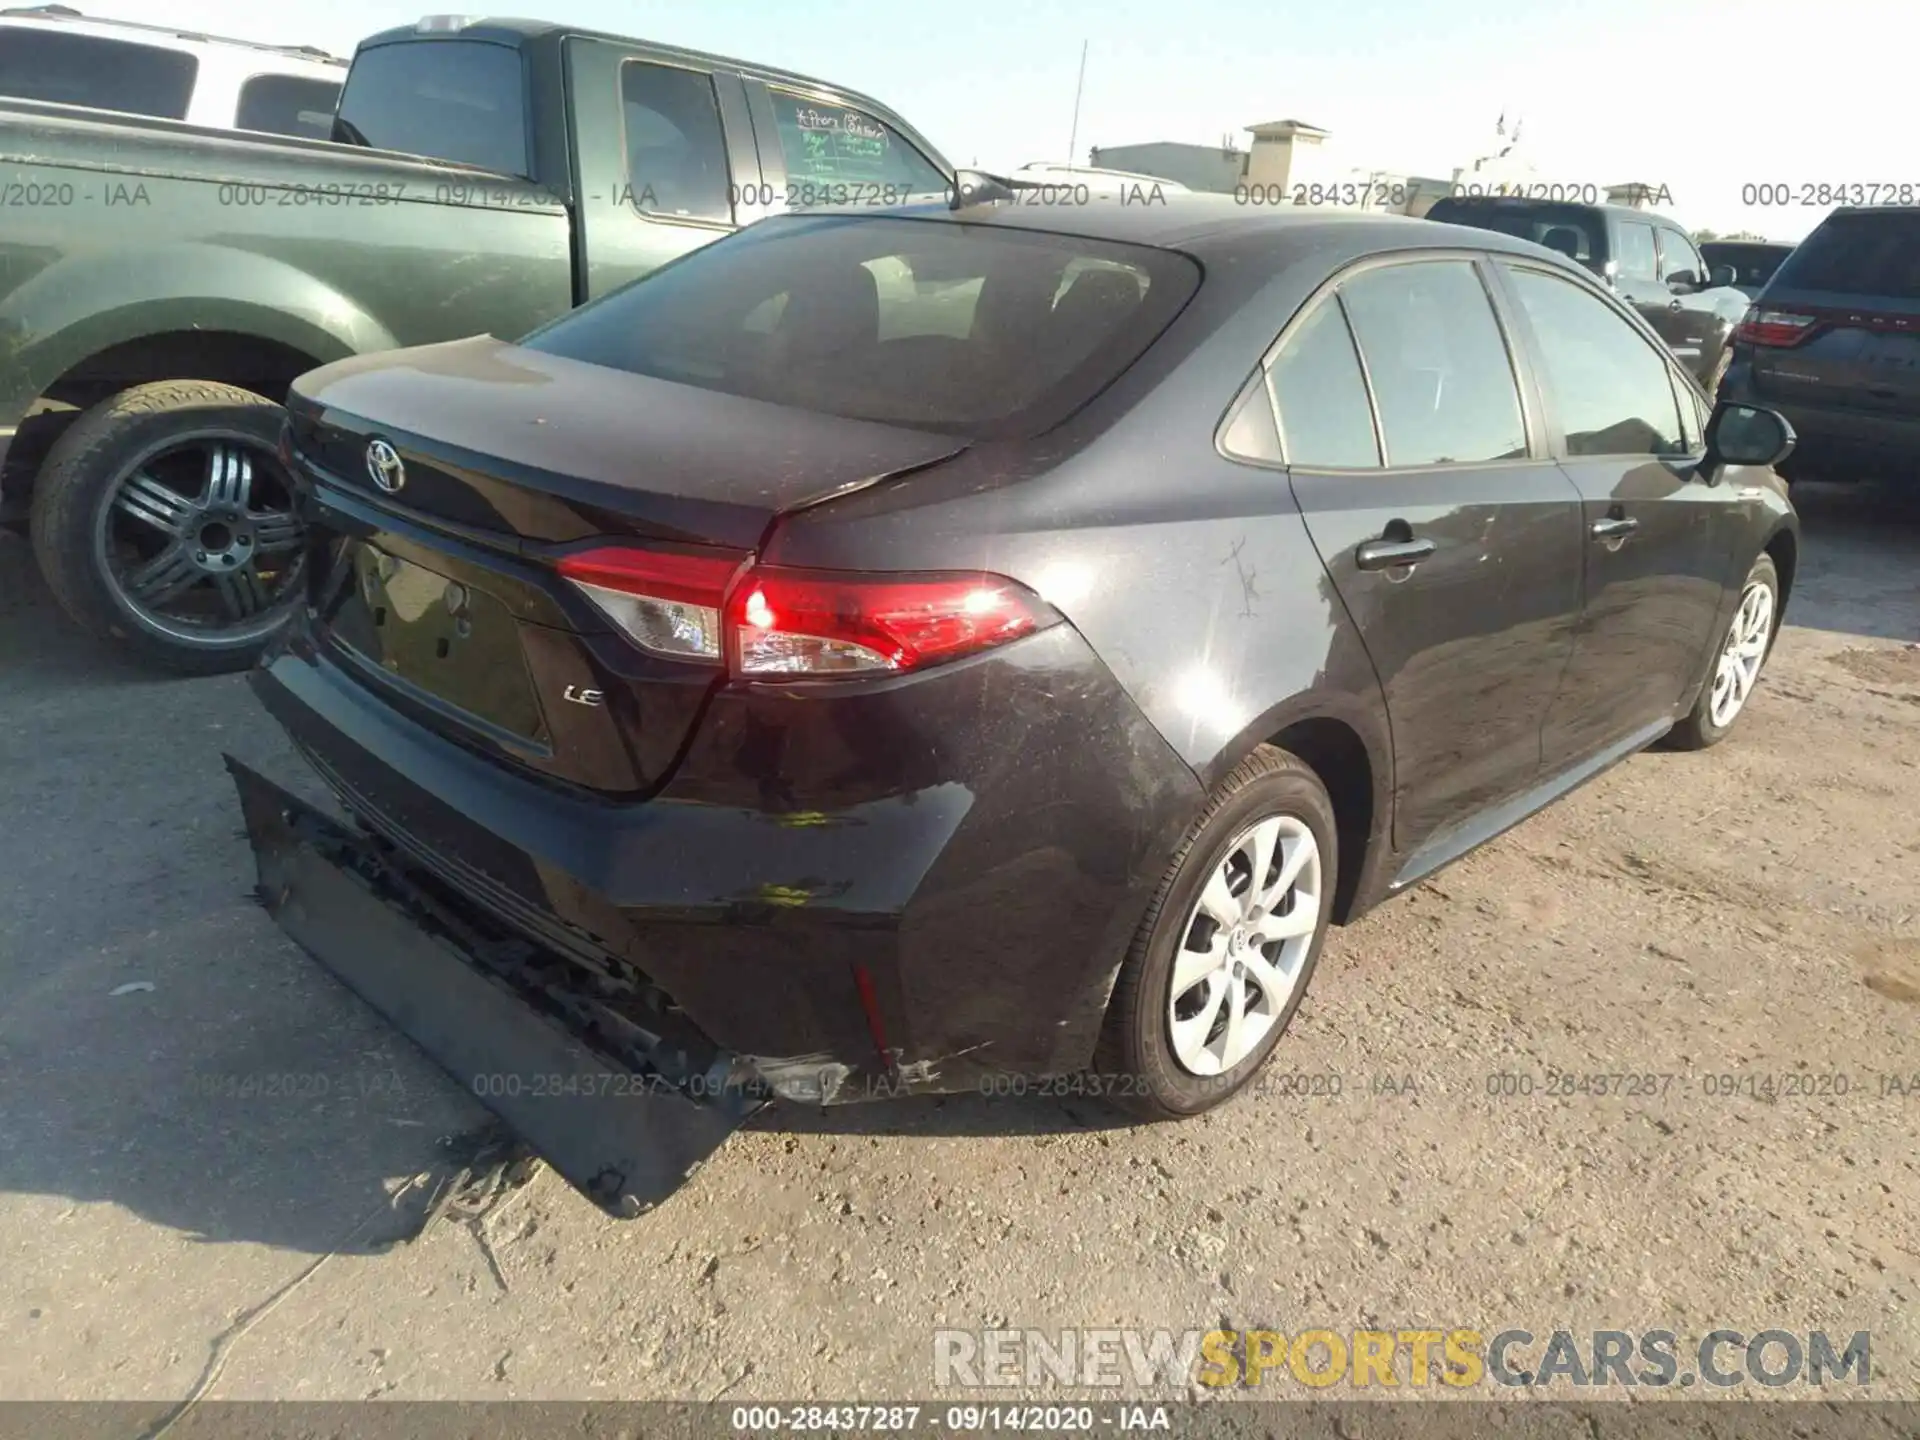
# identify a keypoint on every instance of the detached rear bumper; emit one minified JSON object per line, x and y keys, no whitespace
{"x":627,"y":1123}
{"x":910,"y":886}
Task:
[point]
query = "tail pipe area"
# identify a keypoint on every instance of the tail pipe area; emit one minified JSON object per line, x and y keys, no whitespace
{"x":625,"y":1132}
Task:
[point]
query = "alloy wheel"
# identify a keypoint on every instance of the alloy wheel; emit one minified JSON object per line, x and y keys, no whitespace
{"x":1742,"y":655}
{"x":201,"y":539}
{"x":1244,"y":949}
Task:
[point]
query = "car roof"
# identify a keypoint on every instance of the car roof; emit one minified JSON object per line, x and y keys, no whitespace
{"x":1214,"y":226}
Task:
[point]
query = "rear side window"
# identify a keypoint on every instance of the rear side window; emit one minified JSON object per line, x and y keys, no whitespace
{"x":288,"y":105}
{"x":1325,"y":420}
{"x":117,"y":75}
{"x":458,"y":100}
{"x":676,"y":150}
{"x":1636,"y":256}
{"x":1868,"y":252}
{"x":961,"y":329}
{"x":838,"y":155}
{"x":1611,"y":389}
{"x":1442,"y":379}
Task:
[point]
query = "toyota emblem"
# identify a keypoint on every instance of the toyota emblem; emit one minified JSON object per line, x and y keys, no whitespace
{"x":384,"y":466}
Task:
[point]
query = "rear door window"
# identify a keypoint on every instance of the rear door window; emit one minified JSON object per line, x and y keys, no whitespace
{"x":1868,"y":252}
{"x":1442,"y":379}
{"x":958,"y":329}
{"x":676,"y":150}
{"x":119,"y":75}
{"x":1612,"y":390}
{"x":288,"y":105}
{"x":1636,"y":257}
{"x":1326,"y":421}
{"x":838,"y":155}
{"x":458,"y":100}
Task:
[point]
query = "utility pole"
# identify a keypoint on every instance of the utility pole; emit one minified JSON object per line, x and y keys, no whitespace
{"x":1073,"y":136}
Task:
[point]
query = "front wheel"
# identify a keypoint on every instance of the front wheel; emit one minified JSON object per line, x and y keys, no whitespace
{"x":164,"y":520}
{"x":1737,"y":661}
{"x":1222,"y":959}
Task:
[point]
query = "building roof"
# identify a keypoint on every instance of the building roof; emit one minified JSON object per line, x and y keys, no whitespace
{"x":1282,"y":129}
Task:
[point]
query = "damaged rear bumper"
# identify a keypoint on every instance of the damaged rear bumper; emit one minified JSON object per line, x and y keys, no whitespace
{"x":623,"y":1110}
{"x":858,"y":899}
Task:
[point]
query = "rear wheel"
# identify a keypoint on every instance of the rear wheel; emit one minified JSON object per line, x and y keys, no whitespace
{"x":1222,"y":959}
{"x":164,"y":520}
{"x":1737,"y":662}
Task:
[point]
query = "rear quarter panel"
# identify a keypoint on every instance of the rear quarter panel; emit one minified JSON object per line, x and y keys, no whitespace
{"x":1191,"y":575}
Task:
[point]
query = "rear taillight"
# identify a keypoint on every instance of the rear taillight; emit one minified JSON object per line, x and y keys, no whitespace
{"x":811,"y":622}
{"x":668,"y":602}
{"x":768,"y":622}
{"x":1773,"y":327}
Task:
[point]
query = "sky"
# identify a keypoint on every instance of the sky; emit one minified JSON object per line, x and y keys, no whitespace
{"x":1707,"y":99}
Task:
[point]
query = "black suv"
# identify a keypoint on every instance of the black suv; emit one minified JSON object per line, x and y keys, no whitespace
{"x":1833,"y":343}
{"x":1646,"y":259}
{"x":1753,"y":261}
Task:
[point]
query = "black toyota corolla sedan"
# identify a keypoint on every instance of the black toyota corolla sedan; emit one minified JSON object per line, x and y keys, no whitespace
{"x":913,"y":648}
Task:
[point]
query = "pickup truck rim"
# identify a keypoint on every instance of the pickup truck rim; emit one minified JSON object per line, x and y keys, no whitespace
{"x":200,"y":539}
{"x":1245,"y":946}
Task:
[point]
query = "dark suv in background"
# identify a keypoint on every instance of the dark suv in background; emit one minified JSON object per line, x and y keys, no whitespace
{"x":1752,"y":261}
{"x":1833,"y":343}
{"x":1646,"y":259}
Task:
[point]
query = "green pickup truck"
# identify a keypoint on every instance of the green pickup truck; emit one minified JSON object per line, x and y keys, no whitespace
{"x":162,"y":283}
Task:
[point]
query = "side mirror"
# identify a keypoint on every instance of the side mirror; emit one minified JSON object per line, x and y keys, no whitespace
{"x":1722,"y":276}
{"x":1748,"y":435}
{"x":1683,"y":282}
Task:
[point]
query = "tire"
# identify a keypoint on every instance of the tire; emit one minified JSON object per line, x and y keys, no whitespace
{"x":1707,"y":724}
{"x":1142,"y":1062}
{"x":116,"y":511}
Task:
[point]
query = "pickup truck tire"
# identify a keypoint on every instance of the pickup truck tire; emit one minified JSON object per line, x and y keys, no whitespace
{"x":164,"y":520}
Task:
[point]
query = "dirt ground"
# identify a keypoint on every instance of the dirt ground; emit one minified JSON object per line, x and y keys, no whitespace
{"x":1741,"y":925}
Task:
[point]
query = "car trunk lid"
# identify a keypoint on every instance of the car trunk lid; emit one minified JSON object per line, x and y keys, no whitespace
{"x":450,"y":482}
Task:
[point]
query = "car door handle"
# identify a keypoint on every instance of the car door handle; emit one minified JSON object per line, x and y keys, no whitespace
{"x":1614,"y":527}
{"x":1392,"y":554}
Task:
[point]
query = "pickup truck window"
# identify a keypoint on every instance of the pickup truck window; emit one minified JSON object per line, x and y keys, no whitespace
{"x":458,"y":100}
{"x":676,"y":152}
{"x":115,"y":75}
{"x":288,"y":105}
{"x":925,"y":323}
{"x":1636,"y":251}
{"x":838,"y":155}
{"x":1677,"y":254}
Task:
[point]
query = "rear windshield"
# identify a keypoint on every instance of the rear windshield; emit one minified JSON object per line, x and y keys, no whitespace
{"x":1577,"y":234}
{"x":117,"y":75}
{"x":458,"y":100}
{"x":1867,"y":252}
{"x":288,"y":105}
{"x":1752,"y":264}
{"x":973,"y":330}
